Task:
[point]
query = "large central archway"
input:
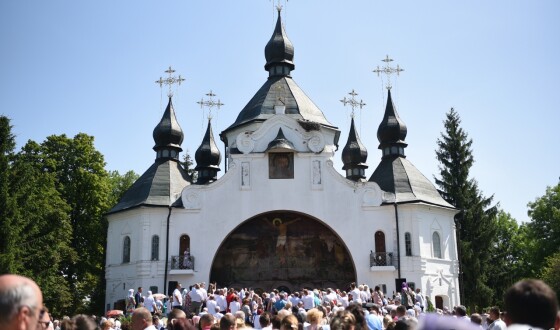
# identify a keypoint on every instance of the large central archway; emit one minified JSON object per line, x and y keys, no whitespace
{"x":283,"y":249}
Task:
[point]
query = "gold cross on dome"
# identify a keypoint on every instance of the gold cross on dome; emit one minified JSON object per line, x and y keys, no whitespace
{"x":210,"y":103}
{"x":353,"y":102}
{"x":171,"y":80}
{"x":388,"y":70}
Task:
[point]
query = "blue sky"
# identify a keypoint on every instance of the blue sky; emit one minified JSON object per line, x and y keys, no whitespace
{"x":89,"y":66}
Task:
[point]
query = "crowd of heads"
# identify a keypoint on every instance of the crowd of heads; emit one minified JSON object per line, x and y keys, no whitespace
{"x":528,"y":304}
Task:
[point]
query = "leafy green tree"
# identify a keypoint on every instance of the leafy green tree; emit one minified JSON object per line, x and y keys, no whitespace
{"x":508,"y":257}
{"x":120,"y":184}
{"x":83,"y":183}
{"x":551,"y":272}
{"x":43,"y":243}
{"x":35,"y":218}
{"x":476,"y":221}
{"x":544,"y":227}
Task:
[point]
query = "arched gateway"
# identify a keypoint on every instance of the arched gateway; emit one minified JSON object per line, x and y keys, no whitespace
{"x":282,"y":249}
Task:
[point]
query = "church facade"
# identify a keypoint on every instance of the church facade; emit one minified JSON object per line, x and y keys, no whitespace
{"x":282,"y":216}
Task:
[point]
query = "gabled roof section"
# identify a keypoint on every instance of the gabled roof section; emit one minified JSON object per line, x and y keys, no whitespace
{"x":161,"y":185}
{"x":399,"y":177}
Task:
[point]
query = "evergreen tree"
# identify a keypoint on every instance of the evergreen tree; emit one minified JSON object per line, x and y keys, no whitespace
{"x":188,"y":165}
{"x":7,"y":206}
{"x":476,"y":219}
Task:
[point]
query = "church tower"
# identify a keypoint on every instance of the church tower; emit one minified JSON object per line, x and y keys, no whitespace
{"x":207,"y":158}
{"x":162,"y":183}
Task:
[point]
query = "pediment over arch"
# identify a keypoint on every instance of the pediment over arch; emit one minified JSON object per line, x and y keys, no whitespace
{"x":305,"y":136}
{"x":435,"y":225}
{"x":126,"y":229}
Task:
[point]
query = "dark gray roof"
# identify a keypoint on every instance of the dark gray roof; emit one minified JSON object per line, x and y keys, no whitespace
{"x":280,"y":89}
{"x":160,"y":185}
{"x":398,"y":176}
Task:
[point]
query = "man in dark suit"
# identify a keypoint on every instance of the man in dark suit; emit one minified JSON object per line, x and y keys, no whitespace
{"x":138,"y":297}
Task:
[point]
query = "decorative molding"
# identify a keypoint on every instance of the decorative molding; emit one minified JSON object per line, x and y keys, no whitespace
{"x":126,"y":229}
{"x":191,"y":200}
{"x":316,"y":142}
{"x":245,"y":142}
{"x":316,"y":175}
{"x":245,"y":175}
{"x":372,"y":196}
{"x":382,"y":269}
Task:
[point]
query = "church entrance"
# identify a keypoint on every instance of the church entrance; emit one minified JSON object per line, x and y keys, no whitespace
{"x":283,"y":249}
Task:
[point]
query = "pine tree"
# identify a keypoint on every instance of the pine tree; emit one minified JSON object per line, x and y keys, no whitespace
{"x":7,"y":206}
{"x":476,"y":219}
{"x":188,"y":165}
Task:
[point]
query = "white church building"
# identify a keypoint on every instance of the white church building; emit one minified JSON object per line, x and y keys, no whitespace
{"x":282,"y":216}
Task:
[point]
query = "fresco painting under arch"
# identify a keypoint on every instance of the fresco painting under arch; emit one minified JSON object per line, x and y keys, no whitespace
{"x":282,"y":247}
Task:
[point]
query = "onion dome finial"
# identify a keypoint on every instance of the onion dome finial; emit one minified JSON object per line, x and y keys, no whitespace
{"x":354,"y":156}
{"x":168,"y":135}
{"x":279,"y":51}
{"x":207,"y":158}
{"x":392,"y":131}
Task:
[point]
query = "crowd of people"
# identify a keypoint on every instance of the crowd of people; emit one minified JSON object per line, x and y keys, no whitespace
{"x":529,"y":304}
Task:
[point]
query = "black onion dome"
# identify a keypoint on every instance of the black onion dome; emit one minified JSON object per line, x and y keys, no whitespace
{"x":392,"y":129}
{"x":354,"y":153}
{"x":208,"y":155}
{"x":279,"y":49}
{"x":168,"y":132}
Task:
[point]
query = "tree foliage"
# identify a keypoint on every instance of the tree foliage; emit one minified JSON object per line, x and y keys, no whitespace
{"x":120,"y":184}
{"x":551,"y":272}
{"x":476,"y":219}
{"x":83,"y":182}
{"x":53,"y":197}
{"x":544,"y":228}
{"x":508,"y":255}
{"x":188,"y":165}
{"x":35,"y":216}
{"x":7,"y":206}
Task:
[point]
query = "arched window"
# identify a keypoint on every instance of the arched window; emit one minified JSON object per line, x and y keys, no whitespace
{"x":380,"y":242}
{"x":184,"y":245}
{"x":436,"y":242}
{"x":155,"y":248}
{"x":126,"y":250}
{"x":408,"y":244}
{"x":380,"y":256}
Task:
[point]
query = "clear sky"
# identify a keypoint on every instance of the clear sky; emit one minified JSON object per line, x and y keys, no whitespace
{"x":89,"y":66}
